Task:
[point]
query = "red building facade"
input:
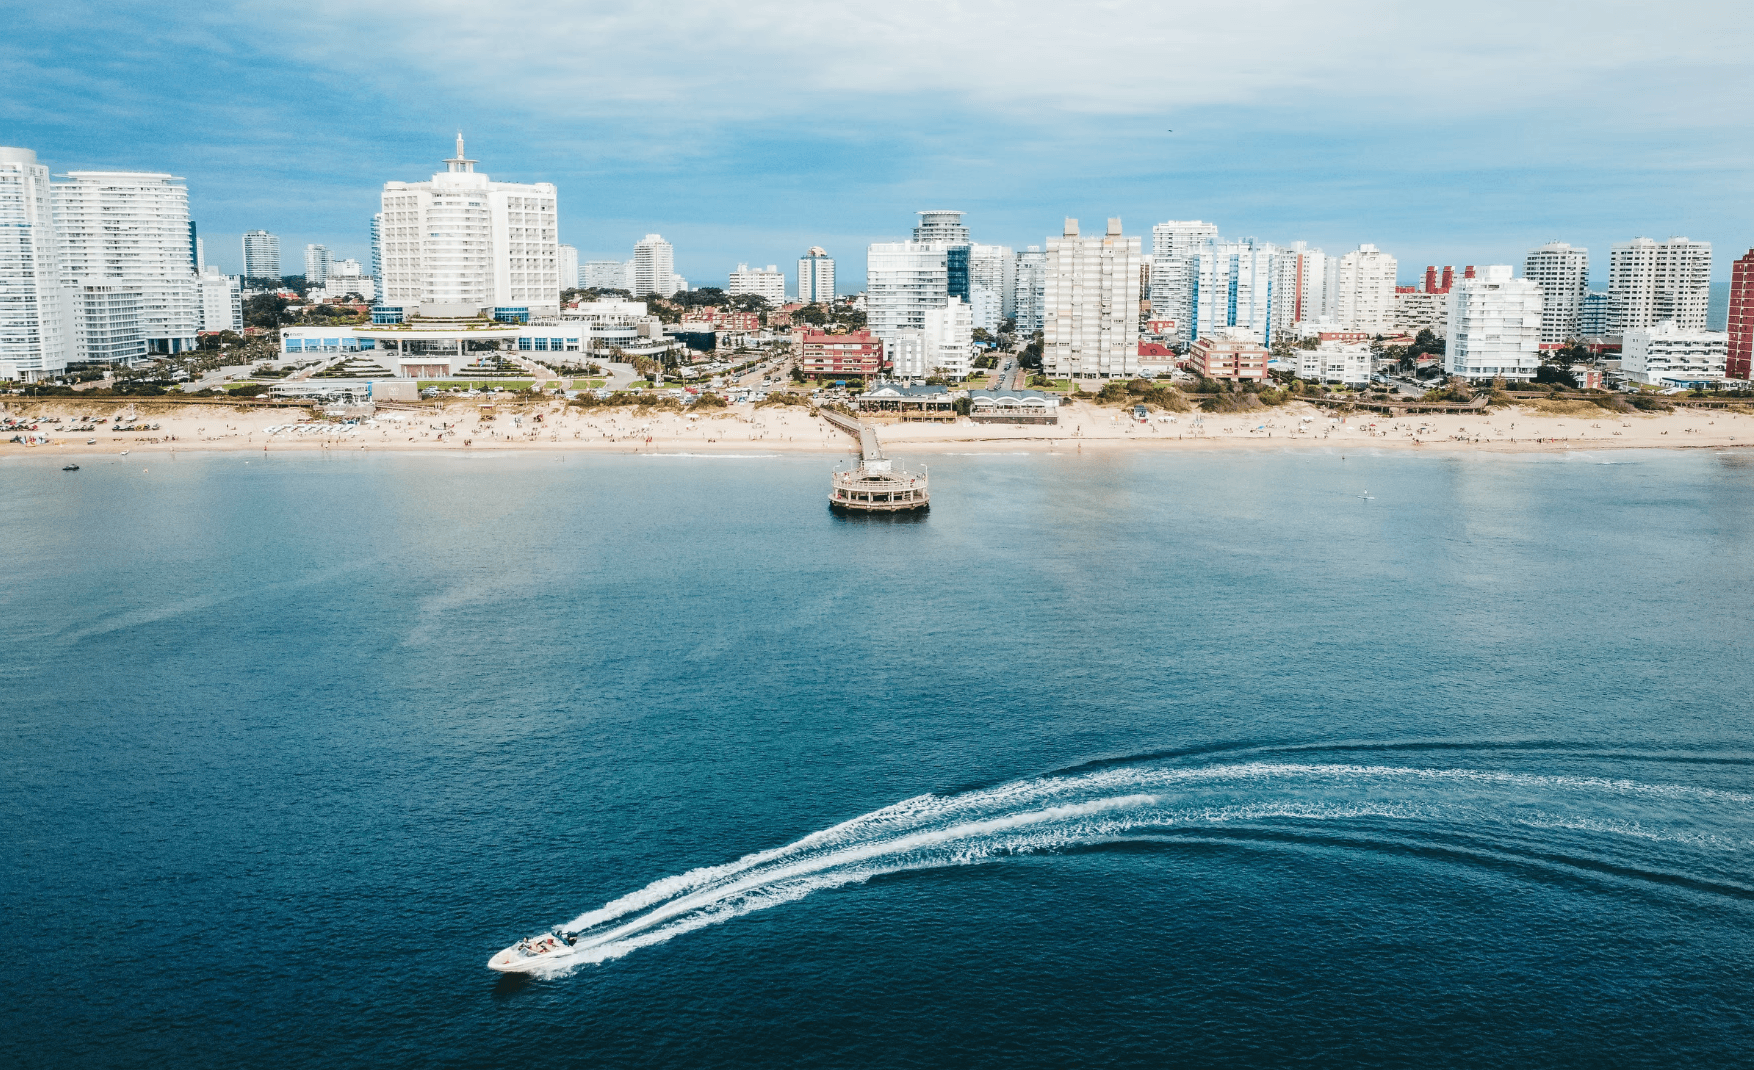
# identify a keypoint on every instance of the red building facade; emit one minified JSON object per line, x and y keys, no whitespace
{"x":836,"y":356}
{"x":1739,"y":361}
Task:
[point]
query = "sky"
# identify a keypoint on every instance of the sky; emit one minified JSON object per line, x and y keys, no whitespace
{"x":1443,"y":133}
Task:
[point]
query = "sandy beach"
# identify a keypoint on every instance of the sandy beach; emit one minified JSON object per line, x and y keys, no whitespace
{"x":742,"y":428}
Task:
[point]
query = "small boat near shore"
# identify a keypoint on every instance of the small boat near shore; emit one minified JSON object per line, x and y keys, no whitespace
{"x":69,"y":468}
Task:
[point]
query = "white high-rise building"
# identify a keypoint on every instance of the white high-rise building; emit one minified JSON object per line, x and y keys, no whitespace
{"x":903,"y":281}
{"x":126,"y":263}
{"x":1364,"y":290}
{"x":377,"y":243}
{"x":654,"y":267}
{"x":816,"y":277}
{"x":569,"y":267}
{"x":1092,"y":304}
{"x":222,"y":301}
{"x":941,"y":225}
{"x":462,"y":241}
{"x":1173,"y":246}
{"x":1669,"y":355}
{"x":262,"y":255}
{"x":34,"y":329}
{"x":1299,"y":293}
{"x":992,"y":269}
{"x":1031,"y":291}
{"x":1494,"y":326}
{"x":1232,"y":287}
{"x":768,"y":284}
{"x":316,"y":265}
{"x":1651,"y":281}
{"x":606,"y":275}
{"x":346,"y":277}
{"x":1563,"y":274}
{"x":949,"y":339}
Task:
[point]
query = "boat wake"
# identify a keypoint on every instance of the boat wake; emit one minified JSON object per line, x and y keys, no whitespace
{"x":1602,"y":827}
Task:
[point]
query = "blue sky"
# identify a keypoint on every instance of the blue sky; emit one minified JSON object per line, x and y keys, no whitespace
{"x":1443,"y":133}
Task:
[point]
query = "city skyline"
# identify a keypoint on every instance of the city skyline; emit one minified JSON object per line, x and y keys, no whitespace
{"x":1330,"y":131}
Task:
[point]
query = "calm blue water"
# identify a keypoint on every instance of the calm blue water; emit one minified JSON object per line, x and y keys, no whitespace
{"x":1139,"y":761}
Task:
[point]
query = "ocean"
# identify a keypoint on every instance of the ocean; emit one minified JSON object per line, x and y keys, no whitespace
{"x":1125,"y":759}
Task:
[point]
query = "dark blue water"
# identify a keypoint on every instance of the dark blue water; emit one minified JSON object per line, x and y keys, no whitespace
{"x":1138,"y":761}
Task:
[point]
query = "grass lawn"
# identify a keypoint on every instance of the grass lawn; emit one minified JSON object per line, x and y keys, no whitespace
{"x":478,"y":384}
{"x":589,"y":384}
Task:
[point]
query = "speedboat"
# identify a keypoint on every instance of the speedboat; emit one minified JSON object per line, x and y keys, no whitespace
{"x":535,"y":953}
{"x":69,"y":468}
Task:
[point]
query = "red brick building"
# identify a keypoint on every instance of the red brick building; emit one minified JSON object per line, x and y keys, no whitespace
{"x":1739,"y":361}
{"x":837,"y":356}
{"x":1228,"y":358}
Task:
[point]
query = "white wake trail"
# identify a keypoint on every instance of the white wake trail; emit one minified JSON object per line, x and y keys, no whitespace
{"x":1058,"y":812}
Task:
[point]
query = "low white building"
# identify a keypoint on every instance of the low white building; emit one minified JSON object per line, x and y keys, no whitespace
{"x":907,"y":354}
{"x":437,"y":348}
{"x":1494,"y":326}
{"x":1668,"y":355}
{"x":1333,"y":362}
{"x":767,"y":283}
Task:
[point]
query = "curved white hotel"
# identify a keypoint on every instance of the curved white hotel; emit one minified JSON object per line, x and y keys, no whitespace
{"x":462,"y":242}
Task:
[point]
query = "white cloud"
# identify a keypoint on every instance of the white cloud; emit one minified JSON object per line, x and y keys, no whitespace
{"x":765,"y":59}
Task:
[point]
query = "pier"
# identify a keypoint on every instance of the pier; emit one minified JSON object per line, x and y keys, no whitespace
{"x":876,"y":485}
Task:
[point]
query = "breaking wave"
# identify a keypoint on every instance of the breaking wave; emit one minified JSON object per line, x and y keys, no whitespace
{"x":1604,"y":827}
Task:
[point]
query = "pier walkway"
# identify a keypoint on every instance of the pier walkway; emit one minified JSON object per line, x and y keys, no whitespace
{"x":869,"y":448}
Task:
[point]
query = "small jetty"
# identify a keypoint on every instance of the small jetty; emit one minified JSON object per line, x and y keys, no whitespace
{"x":876,"y":485}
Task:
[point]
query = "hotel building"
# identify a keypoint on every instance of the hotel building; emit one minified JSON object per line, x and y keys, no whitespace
{"x":461,"y":243}
{"x":34,"y":333}
{"x":1494,"y":326}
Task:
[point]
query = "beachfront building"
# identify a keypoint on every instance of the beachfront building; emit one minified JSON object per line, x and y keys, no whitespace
{"x":1494,"y":326}
{"x":768,"y":284}
{"x":1669,"y":355}
{"x":652,"y":272}
{"x":261,"y":255}
{"x":1333,"y":362}
{"x":1013,"y":407}
{"x":34,"y":329}
{"x":1091,"y":297}
{"x":909,"y":402}
{"x":127,"y":262}
{"x":1230,"y":353}
{"x":816,"y":277}
{"x":904,"y":281}
{"x":1594,"y":315}
{"x":1563,"y":274}
{"x":1739,"y":359}
{"x":461,"y":243}
{"x":1030,"y":291}
{"x":1651,"y":281}
{"x":222,"y":301}
{"x":1364,"y":290}
{"x":569,"y":267}
{"x":439,"y":347}
{"x":839,"y":356}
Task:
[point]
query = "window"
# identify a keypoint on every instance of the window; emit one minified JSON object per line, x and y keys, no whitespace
{"x":523,"y":343}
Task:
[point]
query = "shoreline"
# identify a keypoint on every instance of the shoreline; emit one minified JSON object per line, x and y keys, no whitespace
{"x":462,"y":427}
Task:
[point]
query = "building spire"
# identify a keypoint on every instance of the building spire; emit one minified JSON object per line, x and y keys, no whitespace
{"x":459,"y":163}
